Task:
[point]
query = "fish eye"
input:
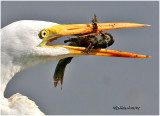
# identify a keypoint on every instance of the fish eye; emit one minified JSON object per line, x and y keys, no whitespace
{"x":43,"y":34}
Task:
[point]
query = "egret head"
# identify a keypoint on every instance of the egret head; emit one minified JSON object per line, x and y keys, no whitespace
{"x":20,"y":44}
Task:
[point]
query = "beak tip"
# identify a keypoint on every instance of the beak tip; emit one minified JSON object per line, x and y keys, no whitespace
{"x":146,"y":25}
{"x":149,"y":56}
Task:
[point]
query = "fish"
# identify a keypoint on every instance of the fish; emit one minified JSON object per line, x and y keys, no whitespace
{"x":94,"y":39}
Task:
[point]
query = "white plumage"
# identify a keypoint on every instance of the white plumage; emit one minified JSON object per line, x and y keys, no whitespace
{"x":19,"y":51}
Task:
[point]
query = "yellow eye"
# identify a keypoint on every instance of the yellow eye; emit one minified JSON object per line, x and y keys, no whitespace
{"x":43,"y":34}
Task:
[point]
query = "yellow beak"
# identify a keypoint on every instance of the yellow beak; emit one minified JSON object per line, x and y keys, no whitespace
{"x":71,"y":29}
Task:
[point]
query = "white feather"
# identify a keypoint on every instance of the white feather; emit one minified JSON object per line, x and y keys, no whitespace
{"x":19,"y":51}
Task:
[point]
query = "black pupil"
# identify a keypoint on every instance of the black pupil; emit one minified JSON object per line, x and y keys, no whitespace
{"x":44,"y":33}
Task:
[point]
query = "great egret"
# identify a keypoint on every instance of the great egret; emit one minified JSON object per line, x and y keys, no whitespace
{"x":25,"y":44}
